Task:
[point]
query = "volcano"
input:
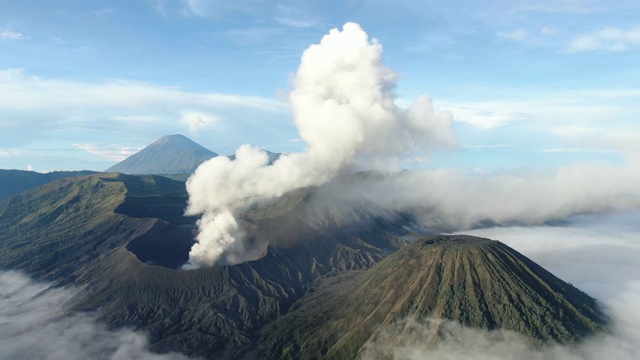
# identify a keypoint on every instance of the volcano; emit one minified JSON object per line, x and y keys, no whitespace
{"x":171,"y":154}
{"x":477,"y":282}
{"x":329,"y":279}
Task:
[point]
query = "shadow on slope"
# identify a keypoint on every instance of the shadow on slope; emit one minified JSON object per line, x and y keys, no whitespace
{"x":107,"y":232}
{"x":477,"y":282}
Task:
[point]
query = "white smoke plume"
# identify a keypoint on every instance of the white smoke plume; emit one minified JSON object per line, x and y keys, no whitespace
{"x":344,"y":108}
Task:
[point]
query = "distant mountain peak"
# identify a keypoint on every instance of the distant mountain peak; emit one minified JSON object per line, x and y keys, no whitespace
{"x":171,"y":154}
{"x":174,"y":138}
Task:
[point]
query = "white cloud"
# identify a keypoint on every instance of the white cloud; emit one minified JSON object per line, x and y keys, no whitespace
{"x":573,"y":131}
{"x":517,"y":35}
{"x":36,"y":323}
{"x":584,"y":118}
{"x":607,"y":39}
{"x":217,"y":8}
{"x":631,"y":93}
{"x":531,"y":37}
{"x":486,"y":115}
{"x":294,"y":22}
{"x":199,"y":7}
{"x":254,"y":35}
{"x":436,"y":44}
{"x":19,"y":91}
{"x":136,"y":118}
{"x":493,"y":146}
{"x":103,"y":12}
{"x":108,"y":151}
{"x":535,"y":37}
{"x":344,"y":110}
{"x":545,"y":30}
{"x":293,"y":17}
{"x":40,"y":106}
{"x":9,"y":152}
{"x":11,"y":35}
{"x":568,"y":150}
{"x":627,"y":141}
{"x":448,"y":200}
{"x":196,"y":120}
{"x":557,"y":6}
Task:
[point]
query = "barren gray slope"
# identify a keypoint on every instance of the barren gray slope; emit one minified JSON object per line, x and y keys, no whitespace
{"x":171,"y":154}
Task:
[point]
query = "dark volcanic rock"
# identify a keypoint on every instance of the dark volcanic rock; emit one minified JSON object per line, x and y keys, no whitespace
{"x":171,"y":154}
{"x":109,"y":232}
{"x":315,"y":293}
{"x":478,"y":282}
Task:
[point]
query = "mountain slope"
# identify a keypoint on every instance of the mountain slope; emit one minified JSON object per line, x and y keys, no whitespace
{"x":16,"y":181}
{"x":171,"y":154}
{"x":109,"y":232}
{"x":478,"y":282}
{"x":309,"y":293}
{"x":58,"y":230}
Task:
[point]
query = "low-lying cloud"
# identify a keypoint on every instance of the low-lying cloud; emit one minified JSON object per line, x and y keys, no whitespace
{"x":446,"y":200}
{"x":36,"y":322}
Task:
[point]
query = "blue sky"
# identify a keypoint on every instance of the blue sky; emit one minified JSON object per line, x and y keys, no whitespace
{"x":531,"y":84}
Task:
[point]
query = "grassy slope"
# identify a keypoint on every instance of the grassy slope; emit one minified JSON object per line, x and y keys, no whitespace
{"x":16,"y":181}
{"x":478,"y":282}
{"x":80,"y":231}
{"x":86,"y":230}
{"x":58,"y":229}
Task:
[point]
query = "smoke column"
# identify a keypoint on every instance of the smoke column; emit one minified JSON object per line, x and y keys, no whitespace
{"x":344,"y":108}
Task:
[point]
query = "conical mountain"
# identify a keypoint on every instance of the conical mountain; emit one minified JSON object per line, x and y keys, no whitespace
{"x":477,"y":282}
{"x":171,"y":154}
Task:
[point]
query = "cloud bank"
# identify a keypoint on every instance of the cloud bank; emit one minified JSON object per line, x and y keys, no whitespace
{"x":448,"y":200}
{"x":36,"y":323}
{"x":118,"y":106}
{"x":11,"y":35}
{"x":607,"y":39}
{"x":344,"y":109}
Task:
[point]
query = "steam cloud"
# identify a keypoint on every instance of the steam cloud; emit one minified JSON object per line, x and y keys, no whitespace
{"x":344,"y":108}
{"x":36,"y":323}
{"x":447,"y":201}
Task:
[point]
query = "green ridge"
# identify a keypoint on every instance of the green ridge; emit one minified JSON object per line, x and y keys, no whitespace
{"x":478,"y":282}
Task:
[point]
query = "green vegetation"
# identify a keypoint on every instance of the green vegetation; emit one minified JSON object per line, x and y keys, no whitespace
{"x":109,"y":232}
{"x":480,"y":283}
{"x":16,"y":181}
{"x":325,"y":286}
